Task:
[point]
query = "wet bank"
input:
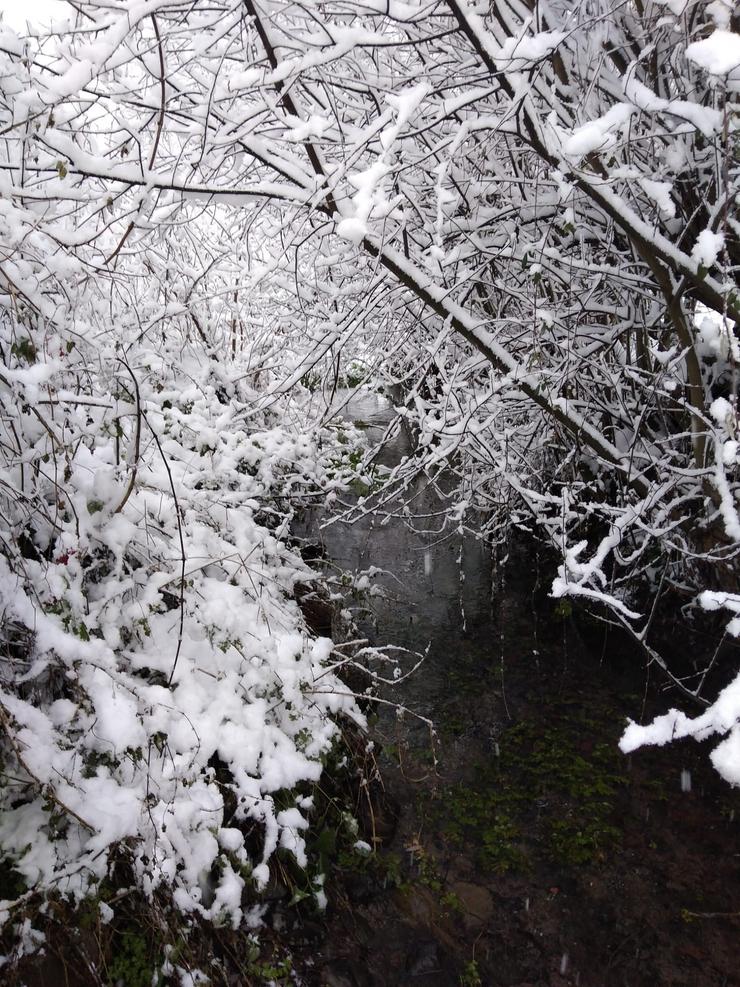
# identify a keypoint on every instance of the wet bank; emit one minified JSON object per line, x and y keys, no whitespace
{"x":518,"y":847}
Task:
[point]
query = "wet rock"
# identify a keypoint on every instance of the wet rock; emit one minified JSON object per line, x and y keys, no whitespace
{"x":382,"y":821}
{"x":318,"y":611}
{"x":477,"y":904}
{"x":343,"y":973}
{"x":418,"y":905}
{"x":275,"y":892}
{"x":334,"y":977}
{"x":425,"y":960}
{"x":361,"y":888}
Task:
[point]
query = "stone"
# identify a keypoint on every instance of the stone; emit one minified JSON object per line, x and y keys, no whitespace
{"x":477,"y":904}
{"x":424,"y":960}
{"x":337,"y":975}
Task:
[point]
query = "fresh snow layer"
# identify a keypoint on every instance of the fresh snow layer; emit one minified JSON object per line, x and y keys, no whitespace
{"x":719,"y":54}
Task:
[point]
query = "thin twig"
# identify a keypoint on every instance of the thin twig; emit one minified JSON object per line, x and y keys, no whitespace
{"x":137,"y":441}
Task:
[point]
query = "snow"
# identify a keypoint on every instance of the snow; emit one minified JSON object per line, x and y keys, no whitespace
{"x":721,"y":12}
{"x":729,"y":452}
{"x":598,"y":135}
{"x":30,"y":11}
{"x":75,"y":78}
{"x":660,"y":193}
{"x":405,"y":103}
{"x":707,"y":248}
{"x":719,"y":54}
{"x":521,"y":52}
{"x":722,"y":717}
{"x":314,"y":126}
{"x":676,"y":7}
{"x":726,"y":756}
{"x":716,"y":337}
{"x":261,"y":875}
{"x":352,"y":228}
{"x":158,"y":436}
{"x":127,"y":754}
{"x":244,"y":80}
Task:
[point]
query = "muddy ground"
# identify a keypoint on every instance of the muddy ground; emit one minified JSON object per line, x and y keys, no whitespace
{"x":535,"y":854}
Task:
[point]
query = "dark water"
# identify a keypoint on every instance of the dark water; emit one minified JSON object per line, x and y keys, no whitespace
{"x":437,"y":586}
{"x":520,"y":847}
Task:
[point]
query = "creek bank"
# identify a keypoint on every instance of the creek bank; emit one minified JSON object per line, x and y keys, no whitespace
{"x":528,"y":851}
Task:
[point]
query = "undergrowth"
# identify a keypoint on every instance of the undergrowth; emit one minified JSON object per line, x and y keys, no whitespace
{"x":547,"y":791}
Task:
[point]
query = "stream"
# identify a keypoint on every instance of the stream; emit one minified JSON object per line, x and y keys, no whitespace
{"x":516,"y":846}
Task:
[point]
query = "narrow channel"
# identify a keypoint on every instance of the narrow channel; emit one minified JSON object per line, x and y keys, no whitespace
{"x":516,"y":846}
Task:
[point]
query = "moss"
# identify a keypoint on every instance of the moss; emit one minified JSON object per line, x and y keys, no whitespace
{"x":268,"y":964}
{"x":548,"y":793}
{"x":479,"y":817}
{"x":25,"y":350}
{"x":132,"y":960}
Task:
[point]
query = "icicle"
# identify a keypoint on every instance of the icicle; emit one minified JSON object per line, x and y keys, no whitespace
{"x":685,"y":781}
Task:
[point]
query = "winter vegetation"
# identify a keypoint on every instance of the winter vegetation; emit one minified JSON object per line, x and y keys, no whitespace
{"x":213,"y":213}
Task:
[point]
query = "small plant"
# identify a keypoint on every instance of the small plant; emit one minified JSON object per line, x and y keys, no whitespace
{"x":132,"y":962}
{"x":470,"y":976}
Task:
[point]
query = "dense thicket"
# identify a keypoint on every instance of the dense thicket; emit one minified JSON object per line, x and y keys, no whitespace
{"x":525,"y":212}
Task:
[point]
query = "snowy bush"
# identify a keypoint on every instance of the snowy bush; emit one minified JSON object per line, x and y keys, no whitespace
{"x":159,"y":685}
{"x":159,"y":688}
